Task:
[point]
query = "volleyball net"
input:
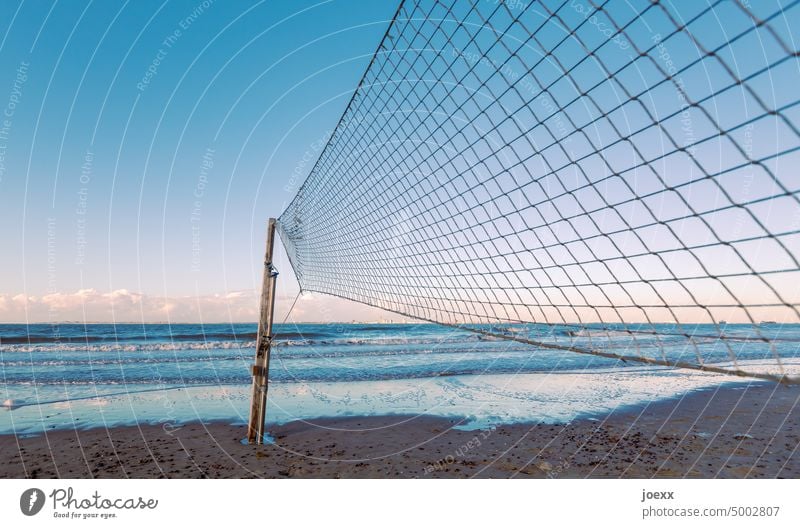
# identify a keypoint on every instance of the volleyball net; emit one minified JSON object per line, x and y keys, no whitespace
{"x":613,"y":178}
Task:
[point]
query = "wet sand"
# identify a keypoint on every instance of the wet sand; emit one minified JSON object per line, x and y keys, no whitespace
{"x":739,"y":431}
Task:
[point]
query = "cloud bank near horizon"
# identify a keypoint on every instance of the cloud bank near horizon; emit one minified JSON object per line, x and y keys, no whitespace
{"x":93,"y":306}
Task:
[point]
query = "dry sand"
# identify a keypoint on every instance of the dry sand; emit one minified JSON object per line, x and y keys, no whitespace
{"x":730,"y":433}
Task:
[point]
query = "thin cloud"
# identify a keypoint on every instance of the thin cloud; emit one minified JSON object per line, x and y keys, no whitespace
{"x":93,"y":306}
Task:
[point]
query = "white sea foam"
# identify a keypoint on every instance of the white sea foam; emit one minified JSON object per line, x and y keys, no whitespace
{"x":158,"y":346}
{"x":483,"y":399}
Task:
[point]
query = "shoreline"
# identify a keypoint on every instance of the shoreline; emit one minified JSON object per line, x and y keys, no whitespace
{"x":729,"y":431}
{"x":482,"y":400}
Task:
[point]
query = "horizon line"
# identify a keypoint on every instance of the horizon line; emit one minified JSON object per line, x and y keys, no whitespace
{"x":432,"y":323}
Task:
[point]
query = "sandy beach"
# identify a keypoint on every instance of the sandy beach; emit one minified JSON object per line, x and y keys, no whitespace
{"x":739,"y":431}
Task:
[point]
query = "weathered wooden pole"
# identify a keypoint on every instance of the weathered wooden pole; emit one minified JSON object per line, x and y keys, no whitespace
{"x":260,"y":369}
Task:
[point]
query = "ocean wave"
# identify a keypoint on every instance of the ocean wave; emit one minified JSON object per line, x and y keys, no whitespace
{"x":281,"y":340}
{"x":156,"y":337}
{"x":284,"y":376}
{"x":606,"y":334}
{"x":363,"y":345}
{"x":128,"y":347}
{"x":288,"y":355}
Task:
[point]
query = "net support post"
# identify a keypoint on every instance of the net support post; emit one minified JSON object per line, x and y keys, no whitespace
{"x":260,"y":369}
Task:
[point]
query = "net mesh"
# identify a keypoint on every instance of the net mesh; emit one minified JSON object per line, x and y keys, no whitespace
{"x":613,"y":178}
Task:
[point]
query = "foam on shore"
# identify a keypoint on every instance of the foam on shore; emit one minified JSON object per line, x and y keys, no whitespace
{"x":484,"y":400}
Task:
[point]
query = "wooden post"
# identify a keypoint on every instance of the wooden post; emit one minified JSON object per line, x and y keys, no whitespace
{"x":260,"y":370}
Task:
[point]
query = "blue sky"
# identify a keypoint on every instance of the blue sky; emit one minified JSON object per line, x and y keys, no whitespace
{"x":149,"y":141}
{"x":144,"y":145}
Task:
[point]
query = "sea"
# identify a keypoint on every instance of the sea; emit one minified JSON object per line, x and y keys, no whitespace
{"x":100,"y":375}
